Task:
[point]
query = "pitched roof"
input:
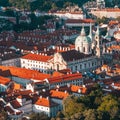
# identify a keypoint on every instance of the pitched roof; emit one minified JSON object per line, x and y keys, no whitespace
{"x":58,"y":94}
{"x":4,"y":80}
{"x":73,"y":88}
{"x":37,"y":57}
{"x":46,"y":102}
{"x":73,"y":55}
{"x":24,"y":73}
{"x":66,"y":77}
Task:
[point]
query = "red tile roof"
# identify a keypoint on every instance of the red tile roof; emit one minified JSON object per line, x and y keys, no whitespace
{"x":75,"y":88}
{"x":46,"y":102}
{"x":109,"y":10}
{"x":4,"y":80}
{"x":58,"y":94}
{"x":37,"y":57}
{"x":80,"y":21}
{"x":25,"y":73}
{"x":66,"y":77}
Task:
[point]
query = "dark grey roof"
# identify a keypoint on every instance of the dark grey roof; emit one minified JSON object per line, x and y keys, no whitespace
{"x":73,"y":55}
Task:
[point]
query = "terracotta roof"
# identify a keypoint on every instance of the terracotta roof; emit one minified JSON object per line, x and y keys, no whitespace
{"x":25,"y":73}
{"x":46,"y":102}
{"x":37,"y":57}
{"x":58,"y":94}
{"x":4,"y":80}
{"x":17,"y":86}
{"x":113,"y":22}
{"x":80,"y":21}
{"x":63,"y":78}
{"x":117,"y":84}
{"x":75,"y":88}
{"x":109,"y":10}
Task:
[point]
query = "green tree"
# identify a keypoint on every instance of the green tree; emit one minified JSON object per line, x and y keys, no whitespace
{"x":38,"y":116}
{"x":90,"y":114}
{"x":109,"y":104}
{"x":71,"y":106}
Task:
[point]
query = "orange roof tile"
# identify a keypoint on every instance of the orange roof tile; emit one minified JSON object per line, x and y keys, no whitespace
{"x":109,"y":10}
{"x":4,"y":80}
{"x":37,"y":57}
{"x":17,"y":86}
{"x":45,"y":102}
{"x":75,"y":88}
{"x":80,"y":21}
{"x":58,"y":94}
{"x":25,"y":73}
{"x":65,"y":77}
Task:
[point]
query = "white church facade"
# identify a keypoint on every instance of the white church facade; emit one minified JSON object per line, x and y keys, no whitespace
{"x":87,"y":55}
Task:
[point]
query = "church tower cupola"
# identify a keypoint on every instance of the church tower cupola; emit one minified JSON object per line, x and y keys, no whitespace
{"x":83,"y":31}
{"x":90,"y":32}
{"x":83,"y":42}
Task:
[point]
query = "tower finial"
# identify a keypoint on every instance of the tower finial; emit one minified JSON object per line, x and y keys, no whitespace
{"x":90,"y":32}
{"x":83,"y":31}
{"x":98,"y":31}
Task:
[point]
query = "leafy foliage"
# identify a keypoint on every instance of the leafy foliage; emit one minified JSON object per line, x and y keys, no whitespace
{"x":95,"y":106}
{"x":71,"y":106}
{"x":38,"y":116}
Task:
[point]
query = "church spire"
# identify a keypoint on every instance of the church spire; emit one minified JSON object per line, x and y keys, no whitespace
{"x":83,"y":31}
{"x":90,"y":32}
{"x":98,"y":31}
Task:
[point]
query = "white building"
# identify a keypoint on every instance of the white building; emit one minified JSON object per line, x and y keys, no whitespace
{"x":47,"y":106}
{"x":83,"y":58}
{"x":36,"y":62}
{"x":107,"y":12}
{"x":65,"y":79}
{"x":69,"y":15}
{"x":86,"y":56}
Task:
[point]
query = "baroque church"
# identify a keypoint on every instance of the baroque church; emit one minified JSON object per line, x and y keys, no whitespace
{"x":87,"y":55}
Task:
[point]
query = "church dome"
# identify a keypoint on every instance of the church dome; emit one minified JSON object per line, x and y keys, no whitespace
{"x":82,"y":38}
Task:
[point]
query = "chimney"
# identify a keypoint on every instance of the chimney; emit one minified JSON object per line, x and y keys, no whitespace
{"x":65,"y":91}
{"x":47,"y":97}
{"x":40,"y":96}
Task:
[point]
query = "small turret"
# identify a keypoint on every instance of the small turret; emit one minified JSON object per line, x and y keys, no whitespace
{"x":90,"y":32}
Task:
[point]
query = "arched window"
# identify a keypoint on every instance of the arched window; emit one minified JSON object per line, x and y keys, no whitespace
{"x":57,"y":67}
{"x":80,"y":66}
{"x":83,"y":49}
{"x":76,"y":67}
